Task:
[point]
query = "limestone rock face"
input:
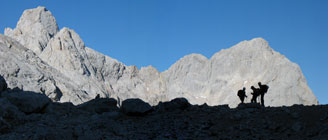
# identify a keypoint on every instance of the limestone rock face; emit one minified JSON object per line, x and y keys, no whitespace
{"x":217,"y":80}
{"x":34,"y":29}
{"x":24,"y":70}
{"x":66,"y":53}
{"x":188,"y":78}
{"x":146,"y":84}
{"x":36,"y":57}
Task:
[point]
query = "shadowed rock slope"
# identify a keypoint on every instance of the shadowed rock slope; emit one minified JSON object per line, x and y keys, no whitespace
{"x":38,"y":56}
{"x":30,"y":115}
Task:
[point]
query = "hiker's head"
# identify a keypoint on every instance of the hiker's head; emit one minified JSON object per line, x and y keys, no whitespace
{"x":260,"y":83}
{"x":244,"y":89}
{"x":252,"y":87}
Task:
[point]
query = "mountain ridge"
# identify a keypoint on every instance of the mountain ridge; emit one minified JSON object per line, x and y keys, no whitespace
{"x":201,"y":80}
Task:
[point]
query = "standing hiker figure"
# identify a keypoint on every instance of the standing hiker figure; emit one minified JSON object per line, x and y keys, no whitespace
{"x":263,"y":90}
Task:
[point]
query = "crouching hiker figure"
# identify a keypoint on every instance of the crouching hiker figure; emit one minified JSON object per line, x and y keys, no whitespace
{"x":242,"y":94}
{"x":255,"y":93}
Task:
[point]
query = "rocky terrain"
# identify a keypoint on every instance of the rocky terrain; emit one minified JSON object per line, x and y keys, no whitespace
{"x":39,"y":57}
{"x":30,"y":115}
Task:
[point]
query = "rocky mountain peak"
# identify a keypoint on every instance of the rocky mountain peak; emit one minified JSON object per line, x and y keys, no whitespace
{"x":39,"y":15}
{"x":34,"y":29}
{"x":67,"y":38}
{"x":255,"y":43}
{"x":189,"y":61}
{"x":195,"y":56}
{"x":66,"y":51}
{"x":256,"y":46}
{"x":149,"y":69}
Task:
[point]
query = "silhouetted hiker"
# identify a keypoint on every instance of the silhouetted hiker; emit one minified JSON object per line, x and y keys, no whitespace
{"x":97,"y":97}
{"x":242,"y":94}
{"x":263,"y":90}
{"x":255,"y":93}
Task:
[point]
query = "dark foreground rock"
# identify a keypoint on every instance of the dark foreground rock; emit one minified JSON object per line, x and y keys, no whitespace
{"x":175,"y":104}
{"x":27,"y":102}
{"x":100,"y":105}
{"x":135,"y":107}
{"x":28,"y":115}
{"x":3,"y":84}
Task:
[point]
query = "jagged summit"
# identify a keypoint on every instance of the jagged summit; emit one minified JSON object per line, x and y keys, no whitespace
{"x":258,"y":44}
{"x":34,"y":29}
{"x":64,"y":51}
{"x":255,"y":44}
{"x":37,"y":56}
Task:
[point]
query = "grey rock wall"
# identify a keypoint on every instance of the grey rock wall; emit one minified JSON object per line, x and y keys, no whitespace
{"x":217,"y":80}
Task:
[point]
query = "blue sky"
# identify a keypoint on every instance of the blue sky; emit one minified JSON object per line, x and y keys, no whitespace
{"x":159,"y":32}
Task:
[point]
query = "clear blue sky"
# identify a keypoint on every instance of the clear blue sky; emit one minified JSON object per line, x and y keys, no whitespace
{"x":159,"y":32}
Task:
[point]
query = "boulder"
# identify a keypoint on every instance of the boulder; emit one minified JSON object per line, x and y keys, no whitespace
{"x":100,"y":105}
{"x":180,"y":103}
{"x":175,"y":104}
{"x":60,"y":109}
{"x":135,"y":107}
{"x":27,"y":102}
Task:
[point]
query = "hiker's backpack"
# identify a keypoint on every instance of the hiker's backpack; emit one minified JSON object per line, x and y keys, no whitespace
{"x":265,"y":88}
